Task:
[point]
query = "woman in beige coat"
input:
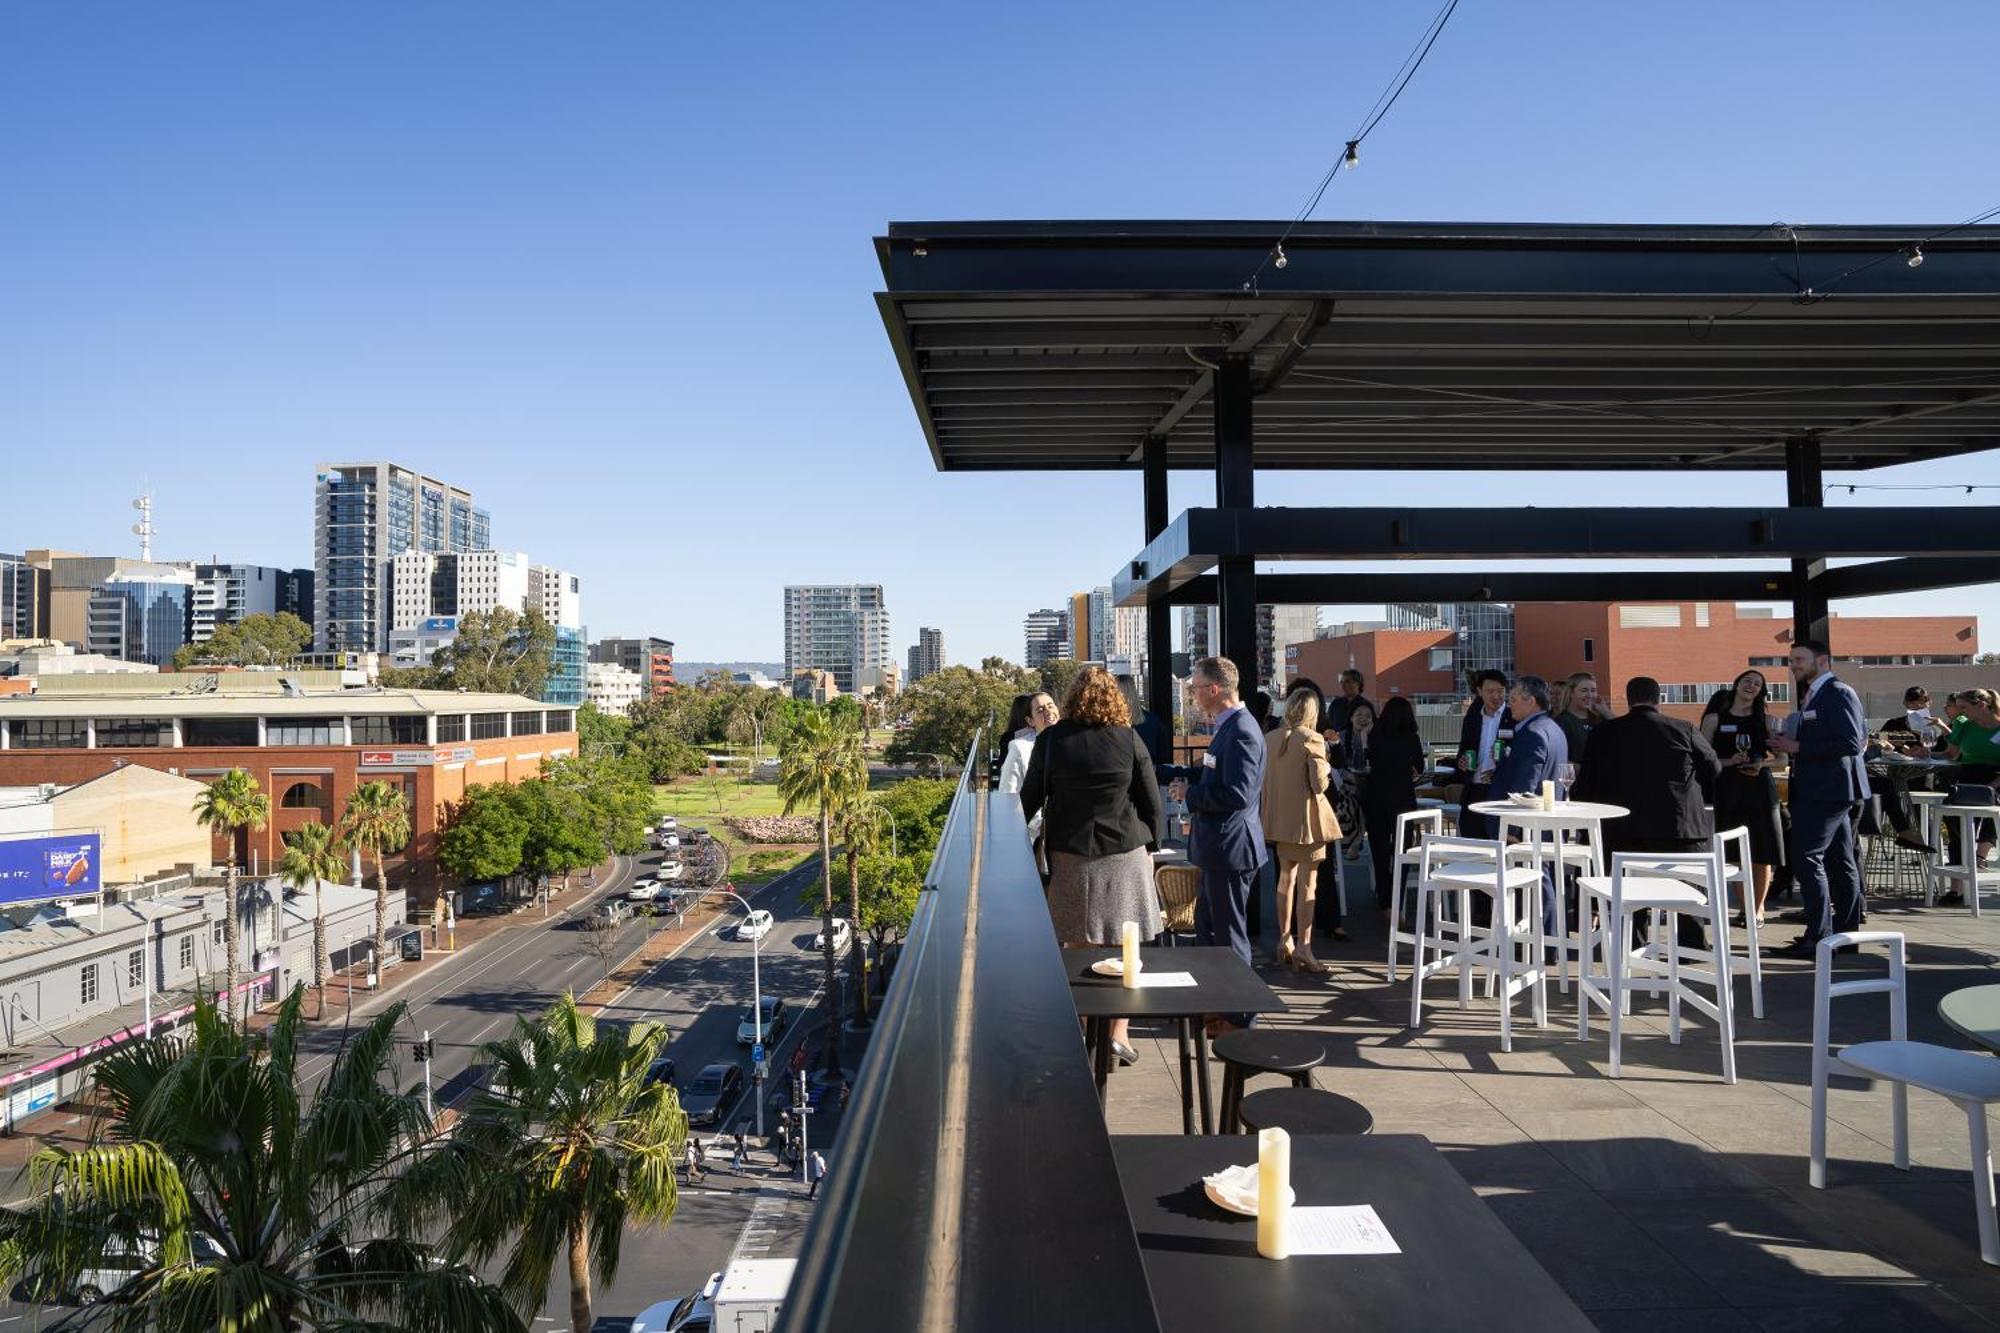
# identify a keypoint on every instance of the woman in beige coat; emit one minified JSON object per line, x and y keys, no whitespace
{"x":1300,"y":821}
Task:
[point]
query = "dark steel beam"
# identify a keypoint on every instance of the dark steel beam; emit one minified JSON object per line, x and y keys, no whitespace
{"x":1236,"y":488}
{"x":1711,"y":585}
{"x":1805,"y":490}
{"x":1159,"y":625}
{"x":1907,"y":575}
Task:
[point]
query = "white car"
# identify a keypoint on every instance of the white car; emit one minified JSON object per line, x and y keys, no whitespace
{"x":755,"y":926}
{"x":672,"y":870}
{"x":643,"y":891}
{"x":842,"y":934}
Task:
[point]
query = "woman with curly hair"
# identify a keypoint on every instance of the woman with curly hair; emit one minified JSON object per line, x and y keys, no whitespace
{"x":1091,"y":780}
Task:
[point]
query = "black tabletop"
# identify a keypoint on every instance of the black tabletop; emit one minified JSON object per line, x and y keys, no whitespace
{"x":1458,"y":1264}
{"x":1224,"y":984}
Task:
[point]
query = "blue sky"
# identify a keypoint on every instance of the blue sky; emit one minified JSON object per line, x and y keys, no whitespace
{"x":608,"y":265}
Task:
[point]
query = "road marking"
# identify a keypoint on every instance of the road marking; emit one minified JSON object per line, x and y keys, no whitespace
{"x":771,"y":1204}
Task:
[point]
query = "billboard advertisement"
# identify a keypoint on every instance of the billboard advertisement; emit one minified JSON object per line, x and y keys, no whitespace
{"x":50,"y":866}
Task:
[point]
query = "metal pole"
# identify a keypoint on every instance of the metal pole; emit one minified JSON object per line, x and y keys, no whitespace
{"x":757,"y":1009}
{"x":430,"y":1112}
{"x":805,"y":1114}
{"x":146,"y":978}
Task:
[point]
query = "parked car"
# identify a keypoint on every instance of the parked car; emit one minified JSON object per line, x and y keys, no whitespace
{"x":842,"y":935}
{"x":662,"y":1071}
{"x":755,"y":925}
{"x":773,"y":1023}
{"x":483,"y":900}
{"x":666,"y":822}
{"x":670,"y":870}
{"x":643,"y":891}
{"x":713,"y":1089}
{"x":609,"y":915}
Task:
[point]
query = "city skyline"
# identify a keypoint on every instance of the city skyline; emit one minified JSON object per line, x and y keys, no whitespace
{"x":368,"y":243}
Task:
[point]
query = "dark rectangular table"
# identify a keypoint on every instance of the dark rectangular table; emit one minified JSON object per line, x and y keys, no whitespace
{"x":1459,"y":1266}
{"x":1224,"y":984}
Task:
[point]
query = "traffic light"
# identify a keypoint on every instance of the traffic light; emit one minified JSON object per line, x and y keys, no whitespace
{"x":424,"y":1051}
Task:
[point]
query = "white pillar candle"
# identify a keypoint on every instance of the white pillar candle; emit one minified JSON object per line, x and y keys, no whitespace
{"x":1548,"y":795}
{"x":1274,"y":1198}
{"x":1129,"y":938}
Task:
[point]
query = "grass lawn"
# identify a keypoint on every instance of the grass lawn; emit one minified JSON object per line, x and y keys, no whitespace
{"x":695,"y":801}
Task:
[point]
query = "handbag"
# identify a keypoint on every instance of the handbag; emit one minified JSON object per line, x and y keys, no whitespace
{"x":1972,"y":793}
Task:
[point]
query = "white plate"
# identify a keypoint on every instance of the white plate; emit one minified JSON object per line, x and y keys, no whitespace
{"x":1526,"y":800}
{"x":1109,"y":967}
{"x":1228,"y":1206}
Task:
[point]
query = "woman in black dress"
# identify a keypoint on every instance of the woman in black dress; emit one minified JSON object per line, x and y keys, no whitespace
{"x":1389,"y":787}
{"x":1746,"y":793}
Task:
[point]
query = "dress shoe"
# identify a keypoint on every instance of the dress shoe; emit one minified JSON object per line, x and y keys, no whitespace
{"x":1915,"y":844}
{"x":1126,"y":1055}
{"x":1805,"y":949}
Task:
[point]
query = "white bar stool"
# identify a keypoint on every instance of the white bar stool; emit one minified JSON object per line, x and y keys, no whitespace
{"x":1427,"y":822}
{"x":1550,"y":840}
{"x":1639,"y":883}
{"x":1967,"y":1079}
{"x":1460,"y":867}
{"x":1964,"y":871}
{"x":1735,"y":843}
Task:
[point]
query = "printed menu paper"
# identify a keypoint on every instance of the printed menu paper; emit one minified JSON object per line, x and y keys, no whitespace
{"x":1350,"y":1229}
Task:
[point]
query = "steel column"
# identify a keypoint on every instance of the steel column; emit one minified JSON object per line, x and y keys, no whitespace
{"x":1159,"y":616}
{"x":1805,"y":490}
{"x":1236,"y":488}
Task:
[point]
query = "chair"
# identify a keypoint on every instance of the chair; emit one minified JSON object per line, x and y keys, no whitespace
{"x":1304,"y":1111}
{"x":1409,"y":853}
{"x":1178,"y":887}
{"x":1964,"y":870}
{"x":1737,"y":872}
{"x":1548,"y":840}
{"x":1967,"y":1079}
{"x":1253,"y":1051}
{"x":1457,"y":868}
{"x":1638,"y":884}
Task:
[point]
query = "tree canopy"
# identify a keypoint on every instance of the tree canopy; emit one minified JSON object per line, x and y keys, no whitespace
{"x":255,"y":640}
{"x":945,"y":710}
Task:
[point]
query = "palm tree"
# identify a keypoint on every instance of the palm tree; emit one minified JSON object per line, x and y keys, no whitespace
{"x":821,"y":765}
{"x":312,"y":857}
{"x":247,"y":1206}
{"x":377,"y":818}
{"x":569,"y":1143}
{"x":859,"y":823}
{"x":228,"y":804}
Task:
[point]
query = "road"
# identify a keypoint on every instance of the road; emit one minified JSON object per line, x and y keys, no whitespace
{"x":700,"y":993}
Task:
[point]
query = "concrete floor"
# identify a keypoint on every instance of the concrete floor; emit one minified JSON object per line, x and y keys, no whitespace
{"x":1665,"y":1198}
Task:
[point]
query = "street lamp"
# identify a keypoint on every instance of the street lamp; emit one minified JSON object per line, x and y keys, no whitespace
{"x":756,"y":1000}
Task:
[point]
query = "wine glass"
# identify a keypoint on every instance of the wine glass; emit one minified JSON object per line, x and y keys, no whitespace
{"x":1565,"y":779}
{"x":1743,"y":743}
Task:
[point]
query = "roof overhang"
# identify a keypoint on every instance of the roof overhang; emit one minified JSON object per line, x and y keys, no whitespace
{"x":1049,"y":346}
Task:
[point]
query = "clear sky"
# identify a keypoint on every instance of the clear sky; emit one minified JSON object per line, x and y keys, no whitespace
{"x":609,"y":265}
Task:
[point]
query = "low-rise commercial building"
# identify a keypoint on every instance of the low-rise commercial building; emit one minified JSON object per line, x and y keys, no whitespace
{"x":652,"y":660}
{"x":610,"y":688}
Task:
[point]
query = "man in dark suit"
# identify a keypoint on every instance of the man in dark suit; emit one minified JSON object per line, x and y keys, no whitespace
{"x":1485,"y":729}
{"x":1825,"y":737}
{"x":1339,"y":711}
{"x":1535,"y":755}
{"x":1663,"y":771}
{"x":1223,"y":796}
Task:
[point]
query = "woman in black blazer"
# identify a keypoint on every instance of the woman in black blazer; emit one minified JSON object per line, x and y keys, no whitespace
{"x":1092,"y":781}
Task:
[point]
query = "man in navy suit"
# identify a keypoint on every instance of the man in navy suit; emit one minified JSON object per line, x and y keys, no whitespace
{"x":1224,"y":796}
{"x":1825,"y":737}
{"x":1536,"y":755}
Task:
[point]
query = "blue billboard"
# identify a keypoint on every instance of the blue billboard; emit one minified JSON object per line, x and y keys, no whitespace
{"x":57,"y":866}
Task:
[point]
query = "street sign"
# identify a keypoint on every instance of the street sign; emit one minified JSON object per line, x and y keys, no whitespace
{"x":757,"y":1054}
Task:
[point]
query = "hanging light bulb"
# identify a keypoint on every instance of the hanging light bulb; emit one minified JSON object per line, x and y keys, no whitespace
{"x":1352,"y":158}
{"x":1916,"y":259}
{"x":1281,"y":260}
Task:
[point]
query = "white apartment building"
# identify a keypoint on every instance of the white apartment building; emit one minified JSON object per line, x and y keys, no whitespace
{"x":842,"y":628}
{"x":427,"y":592}
{"x":610,"y":688}
{"x":364,"y":514}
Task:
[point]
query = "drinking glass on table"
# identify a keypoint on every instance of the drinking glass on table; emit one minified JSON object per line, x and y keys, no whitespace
{"x":1565,"y":779}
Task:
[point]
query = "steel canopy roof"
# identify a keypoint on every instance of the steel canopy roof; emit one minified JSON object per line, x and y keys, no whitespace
{"x":1066,"y":345}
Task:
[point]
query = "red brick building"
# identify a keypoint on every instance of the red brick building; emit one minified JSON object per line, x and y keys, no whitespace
{"x":1411,"y":662}
{"x":308,"y":750}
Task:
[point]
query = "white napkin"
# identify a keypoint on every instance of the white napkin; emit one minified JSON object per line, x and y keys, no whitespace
{"x":1236,"y":1186}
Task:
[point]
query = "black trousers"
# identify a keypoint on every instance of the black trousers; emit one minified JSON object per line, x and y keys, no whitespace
{"x":1382,"y":849}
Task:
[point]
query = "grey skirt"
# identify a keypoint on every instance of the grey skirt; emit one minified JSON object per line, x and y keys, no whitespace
{"x":1092,"y":897}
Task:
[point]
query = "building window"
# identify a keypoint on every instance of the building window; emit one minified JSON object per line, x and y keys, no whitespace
{"x":488,"y":726}
{"x":33,"y":734}
{"x":527,"y":724}
{"x":135,"y":968}
{"x":1590,"y":650}
{"x":1701,"y":615}
{"x":220,"y":732}
{"x":304,"y":796}
{"x":1649,"y":617}
{"x":187,"y":951}
{"x":1440,"y":659}
{"x":137,"y":732}
{"x":390,"y":731}
{"x":304,"y":731}
{"x":560,"y":721}
{"x":90,"y":983}
{"x":451,"y":727}
{"x":215,"y":933}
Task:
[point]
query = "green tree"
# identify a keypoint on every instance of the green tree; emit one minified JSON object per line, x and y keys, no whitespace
{"x":312,"y":859}
{"x":822,"y":768}
{"x":255,"y":640}
{"x":917,"y":808}
{"x":890,"y":886}
{"x":484,"y":835}
{"x":1058,"y":674}
{"x":614,"y":798}
{"x":230,"y":804}
{"x":568,"y":1146}
{"x":377,"y":819}
{"x":502,"y":651}
{"x":861,"y":827}
{"x":253,"y":1210}
{"x":599,"y":732}
{"x":946,"y":710}
{"x":560,"y":837}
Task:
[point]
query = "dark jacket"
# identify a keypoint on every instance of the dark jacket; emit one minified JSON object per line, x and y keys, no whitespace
{"x":1390,"y":785}
{"x":1535,"y":755}
{"x":1225,"y":797}
{"x":1095,"y":789}
{"x":1658,"y":767}
{"x":1831,"y":734}
{"x":1339,"y":708}
{"x":1468,"y":736}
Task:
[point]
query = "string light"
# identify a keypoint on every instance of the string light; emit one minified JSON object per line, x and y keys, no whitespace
{"x":1352,"y":158}
{"x":1281,"y":259}
{"x":1916,"y":259}
{"x":1852,"y":487}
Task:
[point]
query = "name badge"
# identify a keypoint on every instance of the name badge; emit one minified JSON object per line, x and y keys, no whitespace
{"x":1505,"y":735}
{"x":1726,"y":729}
{"x":1808,"y":715}
{"x":1207,"y":760}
